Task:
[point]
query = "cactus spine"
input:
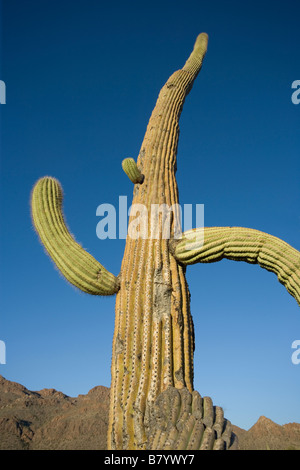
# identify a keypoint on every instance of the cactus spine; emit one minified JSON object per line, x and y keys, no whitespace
{"x":153,"y":403}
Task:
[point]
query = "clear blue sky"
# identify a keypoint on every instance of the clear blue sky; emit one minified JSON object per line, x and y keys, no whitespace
{"x":82,"y":79}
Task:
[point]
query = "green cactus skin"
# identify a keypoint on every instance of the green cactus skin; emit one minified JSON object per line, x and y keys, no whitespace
{"x":78,"y":266}
{"x":130,"y":168}
{"x":180,"y":420}
{"x":241,"y":244}
{"x":153,"y":343}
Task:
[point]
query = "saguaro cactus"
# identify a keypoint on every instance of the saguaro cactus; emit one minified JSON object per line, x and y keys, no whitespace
{"x":153,"y":403}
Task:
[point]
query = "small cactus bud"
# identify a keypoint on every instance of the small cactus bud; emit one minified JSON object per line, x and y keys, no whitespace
{"x":132,"y":171}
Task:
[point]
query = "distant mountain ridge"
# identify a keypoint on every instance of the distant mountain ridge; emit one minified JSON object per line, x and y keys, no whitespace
{"x":267,"y":435}
{"x":50,"y":420}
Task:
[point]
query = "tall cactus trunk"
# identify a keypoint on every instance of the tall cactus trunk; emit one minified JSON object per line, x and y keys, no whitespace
{"x":153,"y":341}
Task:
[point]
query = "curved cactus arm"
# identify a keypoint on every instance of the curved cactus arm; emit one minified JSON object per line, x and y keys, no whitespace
{"x":77,"y":266}
{"x":210,"y":244}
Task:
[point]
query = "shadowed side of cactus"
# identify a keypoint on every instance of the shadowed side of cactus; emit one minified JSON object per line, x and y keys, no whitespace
{"x":180,"y":420}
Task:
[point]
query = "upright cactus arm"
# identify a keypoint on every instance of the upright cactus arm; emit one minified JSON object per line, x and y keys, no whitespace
{"x":77,"y":266}
{"x":194,"y":62}
{"x":210,"y":244}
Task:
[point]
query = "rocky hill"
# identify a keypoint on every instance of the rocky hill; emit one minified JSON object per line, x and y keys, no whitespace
{"x":51,"y":420}
{"x":48,"y":420}
{"x":267,"y":435}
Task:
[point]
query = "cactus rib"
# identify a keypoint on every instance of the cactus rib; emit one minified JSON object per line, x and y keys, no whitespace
{"x":77,"y":266}
{"x":241,"y":244}
{"x":190,"y":430}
